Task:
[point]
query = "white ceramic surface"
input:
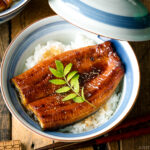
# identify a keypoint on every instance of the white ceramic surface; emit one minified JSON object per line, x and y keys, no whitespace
{"x":125,"y":20}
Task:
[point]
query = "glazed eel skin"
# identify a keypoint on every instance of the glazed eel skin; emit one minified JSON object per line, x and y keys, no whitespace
{"x":100,"y":71}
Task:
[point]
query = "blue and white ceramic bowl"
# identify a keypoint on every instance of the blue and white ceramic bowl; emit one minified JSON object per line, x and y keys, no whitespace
{"x":55,"y":28}
{"x":11,"y":12}
{"x":125,"y":20}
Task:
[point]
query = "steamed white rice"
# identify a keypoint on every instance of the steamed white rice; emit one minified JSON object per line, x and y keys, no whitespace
{"x":52,"y":48}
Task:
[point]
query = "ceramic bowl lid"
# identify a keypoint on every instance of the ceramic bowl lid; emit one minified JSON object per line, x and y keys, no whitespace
{"x":119,"y":19}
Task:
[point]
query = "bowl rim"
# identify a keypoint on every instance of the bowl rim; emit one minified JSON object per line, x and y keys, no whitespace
{"x":65,"y":139}
{"x":15,"y":9}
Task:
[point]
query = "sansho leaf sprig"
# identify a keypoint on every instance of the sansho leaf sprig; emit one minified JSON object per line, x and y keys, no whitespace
{"x":70,"y":81}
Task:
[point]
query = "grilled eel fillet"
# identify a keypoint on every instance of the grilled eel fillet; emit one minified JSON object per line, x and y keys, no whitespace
{"x":4,"y":4}
{"x":100,"y":72}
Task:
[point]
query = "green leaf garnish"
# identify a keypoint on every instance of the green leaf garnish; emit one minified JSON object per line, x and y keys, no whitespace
{"x":74,"y":80}
{"x":57,"y":81}
{"x":67,"y":68}
{"x":56,"y":73}
{"x":76,"y":86}
{"x":71,"y":83}
{"x":78,"y":99}
{"x":70,"y":75}
{"x":82,"y":93}
{"x":63,"y":89}
{"x":70,"y":96}
{"x":59,"y":66}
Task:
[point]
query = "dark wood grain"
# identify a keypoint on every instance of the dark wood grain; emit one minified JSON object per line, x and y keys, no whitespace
{"x":142,"y":105}
{"x":4,"y":38}
{"x":34,"y":11}
{"x":5,"y":118}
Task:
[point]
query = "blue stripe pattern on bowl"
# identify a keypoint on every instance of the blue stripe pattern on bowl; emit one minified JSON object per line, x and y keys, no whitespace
{"x":111,"y":19}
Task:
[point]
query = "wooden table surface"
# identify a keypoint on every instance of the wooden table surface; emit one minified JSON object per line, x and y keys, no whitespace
{"x":10,"y":128}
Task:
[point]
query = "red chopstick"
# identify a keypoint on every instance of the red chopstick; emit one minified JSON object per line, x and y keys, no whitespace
{"x":109,"y":138}
{"x":133,"y":122}
{"x":121,"y":136}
